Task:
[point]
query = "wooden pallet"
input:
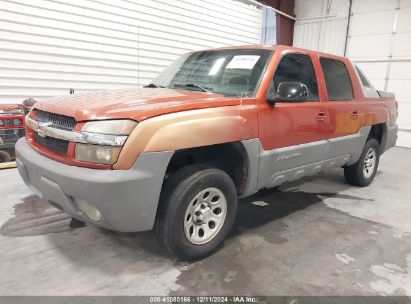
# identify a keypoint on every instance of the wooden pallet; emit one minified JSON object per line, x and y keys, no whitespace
{"x":8,"y":165}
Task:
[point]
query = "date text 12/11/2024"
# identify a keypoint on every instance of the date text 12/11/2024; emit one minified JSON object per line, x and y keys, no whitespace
{"x":204,"y":299}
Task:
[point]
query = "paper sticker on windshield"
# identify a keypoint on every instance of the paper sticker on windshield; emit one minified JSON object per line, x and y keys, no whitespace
{"x":243,"y":62}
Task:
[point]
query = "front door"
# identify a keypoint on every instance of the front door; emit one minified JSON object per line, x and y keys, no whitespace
{"x":293,"y":134}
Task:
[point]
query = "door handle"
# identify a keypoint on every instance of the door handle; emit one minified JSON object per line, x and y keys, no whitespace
{"x":355,"y":115}
{"x":320,"y":117}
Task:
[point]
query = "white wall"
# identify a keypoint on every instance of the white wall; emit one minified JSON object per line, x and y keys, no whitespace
{"x":49,"y":46}
{"x":379,"y":41}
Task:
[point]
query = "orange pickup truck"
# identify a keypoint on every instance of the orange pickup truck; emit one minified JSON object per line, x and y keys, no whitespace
{"x":215,"y":126}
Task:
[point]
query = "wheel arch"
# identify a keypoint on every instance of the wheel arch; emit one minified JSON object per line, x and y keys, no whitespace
{"x":237,"y":159}
{"x":379,"y":132}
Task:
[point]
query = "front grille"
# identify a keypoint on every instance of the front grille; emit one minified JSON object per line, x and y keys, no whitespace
{"x":11,"y":122}
{"x":56,"y":145}
{"x":10,"y":136}
{"x":58,"y":121}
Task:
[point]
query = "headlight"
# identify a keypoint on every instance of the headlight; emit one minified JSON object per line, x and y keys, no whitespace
{"x":105,"y":155}
{"x":17,"y":122}
{"x":106,"y":138}
{"x":1,"y":123}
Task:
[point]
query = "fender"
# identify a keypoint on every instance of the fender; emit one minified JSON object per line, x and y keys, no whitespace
{"x":189,"y":129}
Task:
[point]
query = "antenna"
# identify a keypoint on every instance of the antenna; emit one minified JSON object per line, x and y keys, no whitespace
{"x":138,"y":55}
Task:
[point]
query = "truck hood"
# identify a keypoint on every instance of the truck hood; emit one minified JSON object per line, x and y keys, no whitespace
{"x":137,"y":104}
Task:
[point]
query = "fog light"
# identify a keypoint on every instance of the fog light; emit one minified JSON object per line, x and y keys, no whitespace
{"x":91,"y":211}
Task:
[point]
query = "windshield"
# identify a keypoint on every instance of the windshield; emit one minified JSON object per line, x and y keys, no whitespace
{"x":229,"y":72}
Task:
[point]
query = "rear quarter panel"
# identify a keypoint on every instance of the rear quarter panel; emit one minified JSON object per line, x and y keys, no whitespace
{"x":379,"y":110}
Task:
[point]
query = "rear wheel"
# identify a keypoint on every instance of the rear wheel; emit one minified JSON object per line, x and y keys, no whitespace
{"x":363,"y":171}
{"x":197,"y":210}
{"x":4,"y":157}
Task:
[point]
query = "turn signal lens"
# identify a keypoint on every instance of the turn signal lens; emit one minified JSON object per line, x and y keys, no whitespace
{"x":113,"y":127}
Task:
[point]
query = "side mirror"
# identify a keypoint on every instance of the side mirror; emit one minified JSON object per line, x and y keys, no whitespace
{"x":288,"y":92}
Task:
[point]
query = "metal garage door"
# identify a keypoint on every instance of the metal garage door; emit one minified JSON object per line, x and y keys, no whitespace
{"x":321,"y":25}
{"x":49,"y":46}
{"x":380,"y":42}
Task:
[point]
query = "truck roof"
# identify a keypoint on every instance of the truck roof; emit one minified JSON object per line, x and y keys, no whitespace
{"x":278,"y":47}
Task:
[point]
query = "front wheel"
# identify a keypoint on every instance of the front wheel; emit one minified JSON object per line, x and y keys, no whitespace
{"x":363,"y":171}
{"x":197,"y":210}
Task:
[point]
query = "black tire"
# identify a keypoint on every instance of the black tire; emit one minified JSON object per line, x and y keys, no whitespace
{"x":4,"y":157}
{"x":355,"y":174}
{"x":178,"y":192}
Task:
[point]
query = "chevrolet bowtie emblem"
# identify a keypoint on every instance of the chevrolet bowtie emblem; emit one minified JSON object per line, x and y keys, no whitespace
{"x":41,"y":128}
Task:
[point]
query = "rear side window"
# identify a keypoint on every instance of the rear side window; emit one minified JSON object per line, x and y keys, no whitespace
{"x":363,"y":79}
{"x":297,"y":68}
{"x":337,"y":79}
{"x":367,"y":88}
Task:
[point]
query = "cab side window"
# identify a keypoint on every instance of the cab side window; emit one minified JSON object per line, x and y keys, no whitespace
{"x":337,"y":79}
{"x":297,"y":68}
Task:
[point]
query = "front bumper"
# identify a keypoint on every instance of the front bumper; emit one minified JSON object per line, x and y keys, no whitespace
{"x":127,"y":199}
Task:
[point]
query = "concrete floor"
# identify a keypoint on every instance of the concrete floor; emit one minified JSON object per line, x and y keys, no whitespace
{"x":317,"y":236}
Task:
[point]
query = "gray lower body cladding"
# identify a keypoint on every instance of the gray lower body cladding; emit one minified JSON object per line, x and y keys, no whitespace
{"x":270,"y":168}
{"x":127,"y":199}
{"x":389,"y":138}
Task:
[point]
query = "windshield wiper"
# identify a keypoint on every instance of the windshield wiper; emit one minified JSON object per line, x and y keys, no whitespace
{"x":194,"y":85}
{"x":152,"y":85}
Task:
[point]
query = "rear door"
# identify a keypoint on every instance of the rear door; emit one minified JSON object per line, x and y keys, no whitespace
{"x":344,"y":108}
